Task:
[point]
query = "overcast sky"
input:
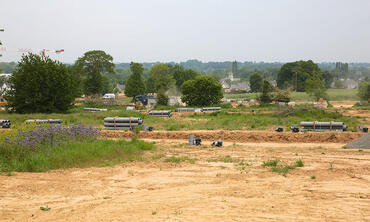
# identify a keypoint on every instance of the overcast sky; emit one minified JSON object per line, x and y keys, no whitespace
{"x":178,"y":30}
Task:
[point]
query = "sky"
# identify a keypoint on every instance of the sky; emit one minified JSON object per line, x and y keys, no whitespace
{"x":178,"y":30}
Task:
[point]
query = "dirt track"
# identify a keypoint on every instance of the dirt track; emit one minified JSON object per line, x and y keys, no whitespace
{"x":243,"y":136}
{"x":208,"y":190}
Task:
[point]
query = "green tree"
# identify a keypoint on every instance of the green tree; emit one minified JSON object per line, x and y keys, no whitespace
{"x":40,"y":86}
{"x":162,"y":77}
{"x":150,"y":87}
{"x":202,"y":91}
{"x":181,"y":75}
{"x":328,"y":78}
{"x":162,"y":99}
{"x":265,"y":96}
{"x":92,"y":65}
{"x":135,"y":84}
{"x":315,"y":87}
{"x":255,"y":82}
{"x":364,"y":91}
{"x":294,"y":74}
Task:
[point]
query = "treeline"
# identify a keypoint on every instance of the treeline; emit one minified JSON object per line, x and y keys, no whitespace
{"x":220,"y":70}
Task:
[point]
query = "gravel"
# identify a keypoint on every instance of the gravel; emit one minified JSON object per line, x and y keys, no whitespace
{"x":360,"y":143}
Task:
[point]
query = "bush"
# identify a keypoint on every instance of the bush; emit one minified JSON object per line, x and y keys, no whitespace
{"x":364,"y":91}
{"x":162,"y":99}
{"x":282,"y":96}
{"x":203,"y":91}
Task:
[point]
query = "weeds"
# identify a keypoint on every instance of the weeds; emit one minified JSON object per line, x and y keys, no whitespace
{"x":282,"y":168}
{"x":45,"y":208}
{"x":75,"y":154}
{"x":313,"y":177}
{"x":331,"y":165}
{"x":154,"y":212}
{"x":174,"y":159}
{"x":158,"y":156}
{"x":270,"y":163}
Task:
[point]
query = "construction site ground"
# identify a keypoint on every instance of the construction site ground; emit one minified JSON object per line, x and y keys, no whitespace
{"x":210,"y":184}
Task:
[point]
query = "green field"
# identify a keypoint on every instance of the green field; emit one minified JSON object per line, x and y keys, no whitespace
{"x":240,"y":118}
{"x":334,"y":95}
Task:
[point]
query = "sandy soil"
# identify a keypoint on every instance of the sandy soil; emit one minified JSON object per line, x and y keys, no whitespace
{"x":242,"y":136}
{"x":207,"y":190}
{"x":343,"y":104}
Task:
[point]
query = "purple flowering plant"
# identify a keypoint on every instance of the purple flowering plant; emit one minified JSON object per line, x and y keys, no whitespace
{"x":40,"y":137}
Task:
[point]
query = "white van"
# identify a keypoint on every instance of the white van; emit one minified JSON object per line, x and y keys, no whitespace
{"x":109,"y":96}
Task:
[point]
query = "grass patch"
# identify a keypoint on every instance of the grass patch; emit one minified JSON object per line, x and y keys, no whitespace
{"x":282,"y":168}
{"x":270,"y":163}
{"x":174,"y":159}
{"x":333,"y":94}
{"x":158,"y":156}
{"x":45,"y":208}
{"x":76,"y":154}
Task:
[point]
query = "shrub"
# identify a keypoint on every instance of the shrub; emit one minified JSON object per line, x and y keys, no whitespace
{"x":364,"y":91}
{"x":282,"y":96}
{"x":162,"y":99}
{"x":202,"y":91}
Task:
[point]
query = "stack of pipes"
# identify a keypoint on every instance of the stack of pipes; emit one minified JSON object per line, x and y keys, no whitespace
{"x":185,"y":110}
{"x":161,"y":113}
{"x":94,"y":110}
{"x":323,"y":126}
{"x":122,"y":123}
{"x":211,"y":109}
{"x":5,"y":123}
{"x":54,"y":122}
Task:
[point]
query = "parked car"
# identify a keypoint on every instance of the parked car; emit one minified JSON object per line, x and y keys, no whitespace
{"x":109,"y":96}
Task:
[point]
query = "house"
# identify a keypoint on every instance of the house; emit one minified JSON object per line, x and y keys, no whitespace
{"x":241,"y":86}
{"x":121,"y":88}
{"x":226,"y":83}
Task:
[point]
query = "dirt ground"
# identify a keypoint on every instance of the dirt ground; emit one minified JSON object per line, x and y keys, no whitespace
{"x":242,"y":136}
{"x":206,"y":187}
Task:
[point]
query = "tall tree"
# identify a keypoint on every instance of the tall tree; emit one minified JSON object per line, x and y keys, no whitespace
{"x":255,"y":82}
{"x":328,"y":78}
{"x":294,"y":74}
{"x":135,"y":84}
{"x":162,"y":77}
{"x":202,"y":91}
{"x":92,"y":65}
{"x":40,"y":86}
{"x":315,"y":87}
{"x":181,"y":75}
{"x":265,"y":96}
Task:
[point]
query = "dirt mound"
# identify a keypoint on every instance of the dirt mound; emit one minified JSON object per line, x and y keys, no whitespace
{"x":362,"y":142}
{"x":242,"y":136}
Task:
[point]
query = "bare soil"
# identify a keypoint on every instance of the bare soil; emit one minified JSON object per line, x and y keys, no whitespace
{"x":242,"y":136}
{"x":209,"y":189}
